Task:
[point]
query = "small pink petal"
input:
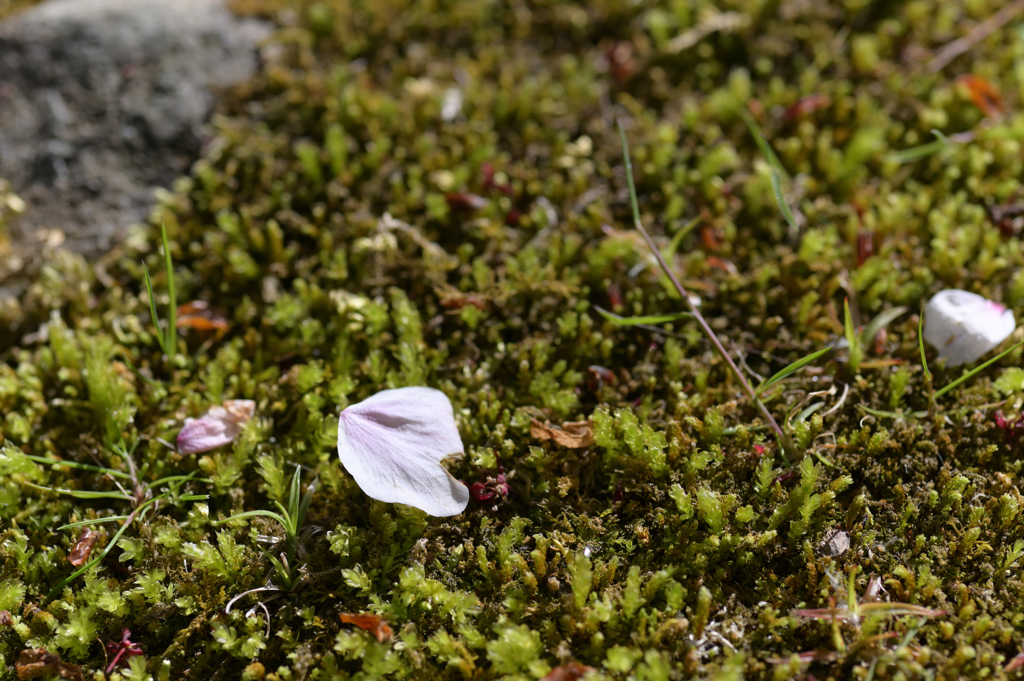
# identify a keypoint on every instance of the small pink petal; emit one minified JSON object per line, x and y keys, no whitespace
{"x":392,"y":444}
{"x":963,"y":326}
{"x":217,"y":427}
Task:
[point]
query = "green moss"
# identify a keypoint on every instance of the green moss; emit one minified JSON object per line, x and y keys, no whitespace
{"x":325,"y":221}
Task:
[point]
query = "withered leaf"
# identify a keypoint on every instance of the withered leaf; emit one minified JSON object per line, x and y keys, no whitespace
{"x":198,"y":315}
{"x":572,"y":434}
{"x":35,"y":662}
{"x":568,"y":672}
{"x":5,"y":618}
{"x":83,"y":547}
{"x":984,"y":94}
{"x":374,"y":624}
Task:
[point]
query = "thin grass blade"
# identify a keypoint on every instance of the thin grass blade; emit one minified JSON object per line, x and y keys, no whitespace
{"x":669,"y":251}
{"x":792,"y":368}
{"x":253,"y":514}
{"x":135,"y":371}
{"x":294,"y":494}
{"x":891,"y":414}
{"x":880,"y":322}
{"x":784,"y":438}
{"x":807,"y":412}
{"x":80,"y":494}
{"x":172,"y":307}
{"x":618,"y":320}
{"x":95,"y":561}
{"x":921,"y":150}
{"x":920,"y":342}
{"x":81,"y":466}
{"x":152,"y":309}
{"x":781,"y":200}
{"x":307,"y":498}
{"x":915,"y":153}
{"x":94,"y":521}
{"x":945,"y":389}
{"x":762,"y":143}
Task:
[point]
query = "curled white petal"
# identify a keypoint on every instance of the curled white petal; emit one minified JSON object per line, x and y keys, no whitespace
{"x":963,"y":326}
{"x":220,"y":425}
{"x":392,"y":444}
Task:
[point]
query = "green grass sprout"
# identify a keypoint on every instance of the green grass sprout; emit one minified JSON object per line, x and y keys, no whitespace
{"x":168,"y":338}
{"x":784,"y":438}
{"x":292,"y":518}
{"x":618,"y":320}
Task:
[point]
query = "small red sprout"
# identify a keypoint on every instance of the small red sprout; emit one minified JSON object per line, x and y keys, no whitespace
{"x":865,"y":246}
{"x":487,"y":170}
{"x":806,"y":106}
{"x":619,"y":56}
{"x":122,"y":650}
{"x":1011,"y":427}
{"x":614,"y":295}
{"x":599,"y":377}
{"x":465,"y":202}
{"x":492,"y":490}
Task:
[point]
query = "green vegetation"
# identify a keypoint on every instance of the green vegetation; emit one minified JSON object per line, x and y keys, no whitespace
{"x":434,"y":194}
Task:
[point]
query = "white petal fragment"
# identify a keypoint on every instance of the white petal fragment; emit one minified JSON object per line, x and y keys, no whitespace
{"x":963,"y":326}
{"x":392,"y":444}
{"x":217,"y":427}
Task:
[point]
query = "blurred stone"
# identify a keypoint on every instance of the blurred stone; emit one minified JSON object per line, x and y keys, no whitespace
{"x":101,"y":101}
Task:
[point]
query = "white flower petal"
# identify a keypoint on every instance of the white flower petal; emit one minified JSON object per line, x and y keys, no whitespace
{"x":392,"y":444}
{"x":217,"y":427}
{"x":963,"y":326}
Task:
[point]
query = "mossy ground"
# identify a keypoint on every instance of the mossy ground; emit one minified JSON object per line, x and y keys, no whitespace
{"x":679,"y":544}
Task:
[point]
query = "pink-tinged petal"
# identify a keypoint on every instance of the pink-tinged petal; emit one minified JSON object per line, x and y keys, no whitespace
{"x":219,"y":426}
{"x":963,"y":326}
{"x":392,"y":444}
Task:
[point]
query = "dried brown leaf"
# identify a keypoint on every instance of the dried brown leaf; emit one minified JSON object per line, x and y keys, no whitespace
{"x":572,"y":434}
{"x":35,"y":662}
{"x":374,"y":624}
{"x":79,"y":553}
{"x":198,"y":315}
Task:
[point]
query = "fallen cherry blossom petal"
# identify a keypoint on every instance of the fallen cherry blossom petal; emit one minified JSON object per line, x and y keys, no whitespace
{"x":392,"y":444}
{"x":374,"y":624}
{"x":963,"y":326}
{"x":572,"y":434}
{"x":83,"y":547}
{"x":217,"y":427}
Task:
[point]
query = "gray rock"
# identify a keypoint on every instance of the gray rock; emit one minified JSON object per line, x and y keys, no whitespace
{"x":101,"y":101}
